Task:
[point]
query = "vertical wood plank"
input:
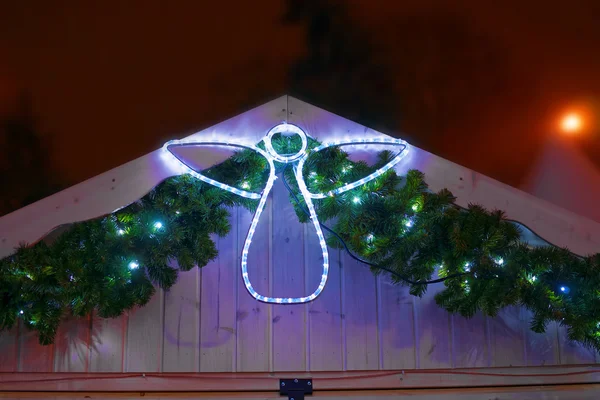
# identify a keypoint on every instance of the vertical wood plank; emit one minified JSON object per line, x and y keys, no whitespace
{"x":325,"y":312}
{"x":573,"y":352}
{"x":218,"y":305}
{"x":289,"y":333}
{"x":9,"y":344}
{"x":145,"y":335}
{"x":469,"y":341}
{"x":181,"y":332}
{"x":507,"y":337}
{"x":253,"y":322}
{"x":72,"y":345}
{"x":360,"y":308}
{"x":33,"y":357}
{"x":432,"y":327}
{"x":540,"y":348}
{"x":108,"y":340}
{"x":396,"y":325}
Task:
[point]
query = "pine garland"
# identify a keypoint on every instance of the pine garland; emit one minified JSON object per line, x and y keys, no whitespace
{"x":111,"y":264}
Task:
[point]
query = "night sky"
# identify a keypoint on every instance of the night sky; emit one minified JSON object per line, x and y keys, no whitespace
{"x":479,"y":84}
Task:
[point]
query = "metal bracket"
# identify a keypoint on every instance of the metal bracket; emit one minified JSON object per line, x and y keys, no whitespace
{"x":295,"y":389}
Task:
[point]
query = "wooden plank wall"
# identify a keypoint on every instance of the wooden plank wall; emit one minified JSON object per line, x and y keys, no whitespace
{"x":208,"y":322}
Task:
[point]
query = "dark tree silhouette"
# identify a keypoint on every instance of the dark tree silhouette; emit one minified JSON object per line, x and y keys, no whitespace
{"x":433,"y":76}
{"x":25,"y":171}
{"x":448,"y":71}
{"x":459,"y":86}
{"x":342,"y":70}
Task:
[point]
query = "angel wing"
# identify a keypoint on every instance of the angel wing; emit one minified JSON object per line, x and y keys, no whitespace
{"x":186,"y":167}
{"x":349,"y":186}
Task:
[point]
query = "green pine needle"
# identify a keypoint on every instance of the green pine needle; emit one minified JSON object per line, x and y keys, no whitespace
{"x":112,"y":264}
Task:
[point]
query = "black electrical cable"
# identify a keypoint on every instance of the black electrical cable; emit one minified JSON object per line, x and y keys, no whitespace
{"x":518,"y":223}
{"x":396,"y":274}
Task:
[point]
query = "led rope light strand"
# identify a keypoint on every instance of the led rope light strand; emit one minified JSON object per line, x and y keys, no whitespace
{"x":374,"y":175}
{"x":188,"y":169}
{"x":286,"y":128}
{"x":271,"y":155}
{"x":314,"y":219}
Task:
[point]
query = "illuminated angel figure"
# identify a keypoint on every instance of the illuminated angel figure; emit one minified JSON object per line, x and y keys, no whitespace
{"x":298,"y":159}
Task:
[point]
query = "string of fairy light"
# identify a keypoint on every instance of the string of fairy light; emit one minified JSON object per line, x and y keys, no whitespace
{"x":352,"y":193}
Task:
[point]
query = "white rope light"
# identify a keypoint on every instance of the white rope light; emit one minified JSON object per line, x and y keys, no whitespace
{"x":286,"y":128}
{"x":271,"y":155}
{"x":379,"y":172}
{"x":187,"y":169}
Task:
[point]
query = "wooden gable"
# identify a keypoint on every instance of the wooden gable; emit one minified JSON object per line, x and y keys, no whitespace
{"x":209,"y":323}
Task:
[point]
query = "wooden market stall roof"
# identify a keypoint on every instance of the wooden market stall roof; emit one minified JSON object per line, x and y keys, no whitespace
{"x":207,"y":322}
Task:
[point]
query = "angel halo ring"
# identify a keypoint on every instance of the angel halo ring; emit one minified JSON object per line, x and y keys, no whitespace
{"x":298,"y":159}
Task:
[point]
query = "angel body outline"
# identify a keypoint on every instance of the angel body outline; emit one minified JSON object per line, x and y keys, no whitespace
{"x":298,"y":159}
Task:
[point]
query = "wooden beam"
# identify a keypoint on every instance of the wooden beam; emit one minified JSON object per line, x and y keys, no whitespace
{"x":322,"y":381}
{"x":561,"y":392}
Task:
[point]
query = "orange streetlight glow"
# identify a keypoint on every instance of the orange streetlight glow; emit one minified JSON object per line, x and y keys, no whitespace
{"x":571,"y":123}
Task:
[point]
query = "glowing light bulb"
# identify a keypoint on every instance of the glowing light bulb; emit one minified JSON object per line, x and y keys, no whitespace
{"x":120,"y":232}
{"x":133,"y":265}
{"x":467,"y":267}
{"x":356,"y":200}
{"x":158,"y":225}
{"x":564,"y":289}
{"x":21,"y":312}
{"x":409,"y":223}
{"x":499,"y":260}
{"x":370,"y":237}
{"x":571,"y":123}
{"x":245,"y":185}
{"x":415,"y":207}
{"x":177,"y":212}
